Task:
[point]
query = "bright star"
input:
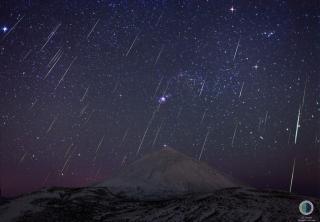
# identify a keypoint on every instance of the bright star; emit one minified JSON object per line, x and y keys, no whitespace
{"x":162,"y":99}
{"x":271,"y":34}
{"x":4,"y":29}
{"x":232,"y":9}
{"x":256,"y":66}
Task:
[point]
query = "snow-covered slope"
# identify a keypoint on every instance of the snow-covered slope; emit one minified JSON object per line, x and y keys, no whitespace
{"x":166,"y":173}
{"x":53,"y":199}
{"x":98,"y":204}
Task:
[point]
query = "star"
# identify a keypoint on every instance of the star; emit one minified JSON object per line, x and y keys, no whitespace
{"x":162,"y":99}
{"x":4,"y":28}
{"x":271,"y":34}
{"x":232,"y":9}
{"x":256,"y":66}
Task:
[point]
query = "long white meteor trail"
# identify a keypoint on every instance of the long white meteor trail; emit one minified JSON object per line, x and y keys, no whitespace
{"x":124,"y":136}
{"x":68,"y":150}
{"x":135,"y":39}
{"x":146,"y":131}
{"x":51,"y":125}
{"x":65,"y":73}
{"x":84,"y":109}
{"x":55,"y":57}
{"x":158,"y":87}
{"x":297,"y":126}
{"x":26,"y":55}
{"x":203,"y":145}
{"x":94,"y":26}
{"x":203,"y":115}
{"x":241,"y":90}
{"x":65,"y":164}
{"x":157,"y":134}
{"x":53,"y":32}
{"x":84,"y":95}
{"x":292,"y":174}
{"x":159,"y":54}
{"x":56,"y":61}
{"x":203,"y":83}
{"x":234,"y":134}
{"x":235,"y":53}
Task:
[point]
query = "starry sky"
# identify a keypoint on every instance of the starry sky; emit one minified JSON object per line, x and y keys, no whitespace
{"x":87,"y":87}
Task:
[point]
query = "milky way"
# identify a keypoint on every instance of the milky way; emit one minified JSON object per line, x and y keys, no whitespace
{"x":90,"y":86}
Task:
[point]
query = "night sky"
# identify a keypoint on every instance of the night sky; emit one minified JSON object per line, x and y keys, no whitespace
{"x":90,"y":86}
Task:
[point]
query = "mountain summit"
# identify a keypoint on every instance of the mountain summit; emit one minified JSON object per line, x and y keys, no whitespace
{"x":166,"y":173}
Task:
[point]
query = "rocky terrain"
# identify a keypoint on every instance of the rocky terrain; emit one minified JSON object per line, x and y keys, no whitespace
{"x":99,"y":204}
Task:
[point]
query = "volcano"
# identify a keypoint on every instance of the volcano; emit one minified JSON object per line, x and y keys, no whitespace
{"x":164,"y":174}
{"x":132,"y":195}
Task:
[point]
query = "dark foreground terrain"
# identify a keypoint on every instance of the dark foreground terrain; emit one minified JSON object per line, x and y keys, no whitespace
{"x":98,"y":204}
